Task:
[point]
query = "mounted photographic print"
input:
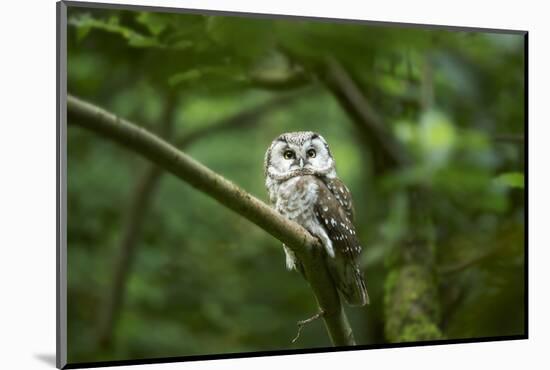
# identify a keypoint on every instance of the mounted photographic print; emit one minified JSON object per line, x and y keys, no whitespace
{"x":235,"y":184}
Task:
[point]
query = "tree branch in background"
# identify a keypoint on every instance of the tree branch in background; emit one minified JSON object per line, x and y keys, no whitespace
{"x":140,"y":202}
{"x":461,"y":266}
{"x":427,"y":84}
{"x":139,"y":206}
{"x":294,"y":78}
{"x":370,"y":125}
{"x":145,"y":190}
{"x":168,"y":157}
{"x":509,"y":138}
{"x":244,"y":119}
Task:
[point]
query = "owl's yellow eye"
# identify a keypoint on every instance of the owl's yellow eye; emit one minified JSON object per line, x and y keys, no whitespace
{"x":288,"y":154}
{"x":311,"y":153}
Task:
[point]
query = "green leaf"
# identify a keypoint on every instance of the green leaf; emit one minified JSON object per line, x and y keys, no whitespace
{"x":82,"y":32}
{"x":154,"y":22}
{"x":511,"y":179}
{"x":85,"y":23}
{"x":178,"y":78}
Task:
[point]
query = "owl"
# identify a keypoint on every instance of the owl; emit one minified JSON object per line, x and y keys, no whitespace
{"x":301,"y":179}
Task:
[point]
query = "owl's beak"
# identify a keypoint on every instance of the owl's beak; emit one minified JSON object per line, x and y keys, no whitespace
{"x":301,"y":162}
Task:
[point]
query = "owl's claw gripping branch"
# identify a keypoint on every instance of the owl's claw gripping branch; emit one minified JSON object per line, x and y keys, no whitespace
{"x":169,"y":158}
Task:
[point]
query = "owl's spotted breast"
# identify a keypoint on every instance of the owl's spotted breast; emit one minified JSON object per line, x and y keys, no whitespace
{"x":296,"y":198}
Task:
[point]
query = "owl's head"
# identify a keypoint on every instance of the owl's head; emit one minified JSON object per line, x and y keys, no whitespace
{"x":297,"y":154}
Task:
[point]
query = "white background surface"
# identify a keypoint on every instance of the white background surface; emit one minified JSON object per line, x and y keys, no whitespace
{"x":27,"y":183}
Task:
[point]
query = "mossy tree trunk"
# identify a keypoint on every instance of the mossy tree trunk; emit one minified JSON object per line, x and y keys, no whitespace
{"x":411,"y":299}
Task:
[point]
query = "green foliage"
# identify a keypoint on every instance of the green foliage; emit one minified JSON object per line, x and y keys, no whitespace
{"x":511,"y":179}
{"x":85,"y":23}
{"x":248,"y":38}
{"x":204,"y":280}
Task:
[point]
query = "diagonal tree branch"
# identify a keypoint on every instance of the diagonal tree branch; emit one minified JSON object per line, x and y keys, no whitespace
{"x":245,"y":118}
{"x":231,"y":196}
{"x":144,"y":192}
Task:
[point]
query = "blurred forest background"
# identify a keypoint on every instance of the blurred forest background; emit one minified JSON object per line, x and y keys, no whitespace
{"x":427,"y":128}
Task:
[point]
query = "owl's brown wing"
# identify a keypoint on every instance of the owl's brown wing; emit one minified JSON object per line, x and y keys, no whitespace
{"x":343,"y":267}
{"x":342,"y":195}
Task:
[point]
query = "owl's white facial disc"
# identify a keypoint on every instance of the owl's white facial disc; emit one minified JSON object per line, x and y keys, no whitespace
{"x":299,"y":153}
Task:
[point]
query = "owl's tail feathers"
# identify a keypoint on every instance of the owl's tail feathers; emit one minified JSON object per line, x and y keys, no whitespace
{"x":355,"y":292}
{"x":351,"y":284}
